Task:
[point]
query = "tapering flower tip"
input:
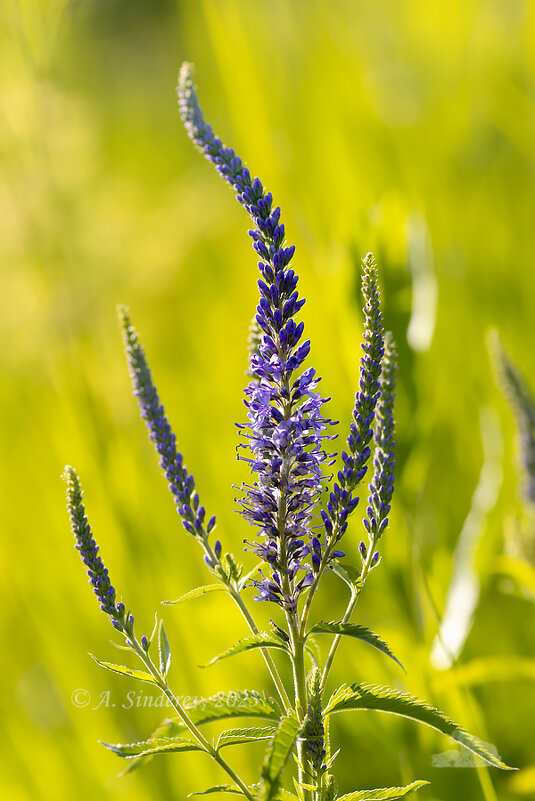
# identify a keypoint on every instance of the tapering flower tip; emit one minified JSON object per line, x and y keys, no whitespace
{"x":85,"y":543}
{"x":342,"y":502}
{"x":181,"y":483}
{"x":381,"y":487}
{"x":145,"y":643}
{"x":516,"y":389}
{"x":313,"y":730}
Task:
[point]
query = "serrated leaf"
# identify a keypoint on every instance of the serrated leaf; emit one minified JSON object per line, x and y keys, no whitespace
{"x":197,"y":593}
{"x":239,"y":736}
{"x":277,"y":755}
{"x":220,"y":788}
{"x":239,"y":703}
{"x":354,"y":630}
{"x":122,"y":670}
{"x":385,"y":699}
{"x":384,"y":793}
{"x":153,"y":747}
{"x":164,"y":651}
{"x":261,"y":640}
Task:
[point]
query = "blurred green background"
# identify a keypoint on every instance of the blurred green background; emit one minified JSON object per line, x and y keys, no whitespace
{"x":402,"y":127}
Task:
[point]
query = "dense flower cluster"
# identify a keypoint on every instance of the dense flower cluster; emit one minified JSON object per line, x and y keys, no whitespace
{"x":85,"y":543}
{"x":286,"y":426}
{"x":342,"y":501}
{"x":181,"y":483}
{"x":382,"y":483}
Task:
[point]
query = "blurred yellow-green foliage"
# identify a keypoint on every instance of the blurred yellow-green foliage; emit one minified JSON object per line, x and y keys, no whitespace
{"x":399,"y":126}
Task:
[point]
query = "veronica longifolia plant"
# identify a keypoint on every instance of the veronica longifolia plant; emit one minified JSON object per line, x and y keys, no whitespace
{"x":298,"y":529}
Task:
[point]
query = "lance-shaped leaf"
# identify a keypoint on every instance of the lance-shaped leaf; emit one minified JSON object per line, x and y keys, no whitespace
{"x":359,"y":632}
{"x":165,"y":745}
{"x":197,"y":593}
{"x":164,"y":651}
{"x":240,"y":736}
{"x":384,"y":699}
{"x":261,"y":640}
{"x":277,"y":755}
{"x":384,"y":793}
{"x":349,"y":574}
{"x":122,"y":670}
{"x":236,"y":704}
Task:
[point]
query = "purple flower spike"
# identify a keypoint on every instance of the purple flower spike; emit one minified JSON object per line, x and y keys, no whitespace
{"x":342,"y":501}
{"x":181,"y":483}
{"x":382,"y":484}
{"x":286,"y":426}
{"x":85,"y":543}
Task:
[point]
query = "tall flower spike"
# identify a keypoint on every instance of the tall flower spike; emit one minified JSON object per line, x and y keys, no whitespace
{"x":285,"y":420}
{"x":382,"y":484}
{"x":341,"y":500}
{"x":516,"y":390}
{"x":181,"y":483}
{"x":85,"y":543}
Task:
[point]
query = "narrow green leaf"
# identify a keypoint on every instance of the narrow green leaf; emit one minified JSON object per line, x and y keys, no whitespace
{"x":153,"y":747}
{"x":262,"y":640}
{"x":239,"y":703}
{"x":239,"y":736}
{"x":384,"y":699}
{"x":277,"y":755}
{"x":164,"y":651}
{"x":383,"y":794}
{"x":359,"y":632}
{"x":197,"y":593}
{"x":243,"y":581}
{"x":349,"y":574}
{"x":125,"y":671}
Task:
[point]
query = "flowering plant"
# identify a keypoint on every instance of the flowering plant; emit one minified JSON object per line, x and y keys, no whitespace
{"x":299,"y":526}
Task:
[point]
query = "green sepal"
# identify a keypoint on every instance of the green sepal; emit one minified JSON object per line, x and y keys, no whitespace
{"x":164,"y":651}
{"x":153,"y":747}
{"x":197,"y":593}
{"x":277,"y":755}
{"x":385,"y":699}
{"x":384,"y":793}
{"x":354,"y":630}
{"x":122,"y":670}
{"x":261,"y":640}
{"x":240,"y":736}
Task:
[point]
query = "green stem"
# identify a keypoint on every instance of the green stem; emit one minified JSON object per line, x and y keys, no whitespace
{"x":265,"y":653}
{"x":355,"y":595}
{"x":192,"y":728}
{"x":270,"y":664}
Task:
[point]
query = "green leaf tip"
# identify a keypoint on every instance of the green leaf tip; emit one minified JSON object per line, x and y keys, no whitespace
{"x":385,"y":699}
